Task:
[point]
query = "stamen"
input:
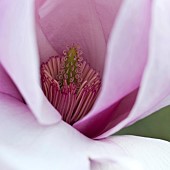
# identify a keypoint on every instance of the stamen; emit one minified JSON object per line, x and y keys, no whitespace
{"x":70,"y":84}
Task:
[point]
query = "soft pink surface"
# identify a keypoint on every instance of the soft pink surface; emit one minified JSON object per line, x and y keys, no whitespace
{"x":27,"y":145}
{"x":18,"y":55}
{"x":7,"y":86}
{"x":136,"y":55}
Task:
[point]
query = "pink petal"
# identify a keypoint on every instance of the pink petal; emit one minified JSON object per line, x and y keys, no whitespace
{"x":107,"y":19}
{"x":126,"y":59}
{"x":19,"y":56}
{"x":7,"y":86}
{"x":150,"y":153}
{"x":65,"y":22}
{"x":154,"y":90}
{"x":156,"y":80}
{"x":25,"y":144}
{"x":45,"y":48}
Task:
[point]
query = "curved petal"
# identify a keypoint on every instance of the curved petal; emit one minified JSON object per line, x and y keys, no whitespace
{"x":45,"y":49}
{"x":25,"y":145}
{"x":107,"y":19}
{"x":127,"y":54}
{"x":154,"y":90}
{"x":18,"y":55}
{"x":7,"y":86}
{"x":155,"y":84}
{"x":65,"y":22}
{"x":150,"y":153}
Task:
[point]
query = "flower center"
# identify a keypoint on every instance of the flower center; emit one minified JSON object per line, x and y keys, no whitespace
{"x":70,"y":84}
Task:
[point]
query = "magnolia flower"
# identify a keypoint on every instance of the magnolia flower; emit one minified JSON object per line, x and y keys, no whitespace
{"x":125,"y":47}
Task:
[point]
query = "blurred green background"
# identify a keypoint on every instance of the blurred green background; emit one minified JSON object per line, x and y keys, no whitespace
{"x":156,"y":125}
